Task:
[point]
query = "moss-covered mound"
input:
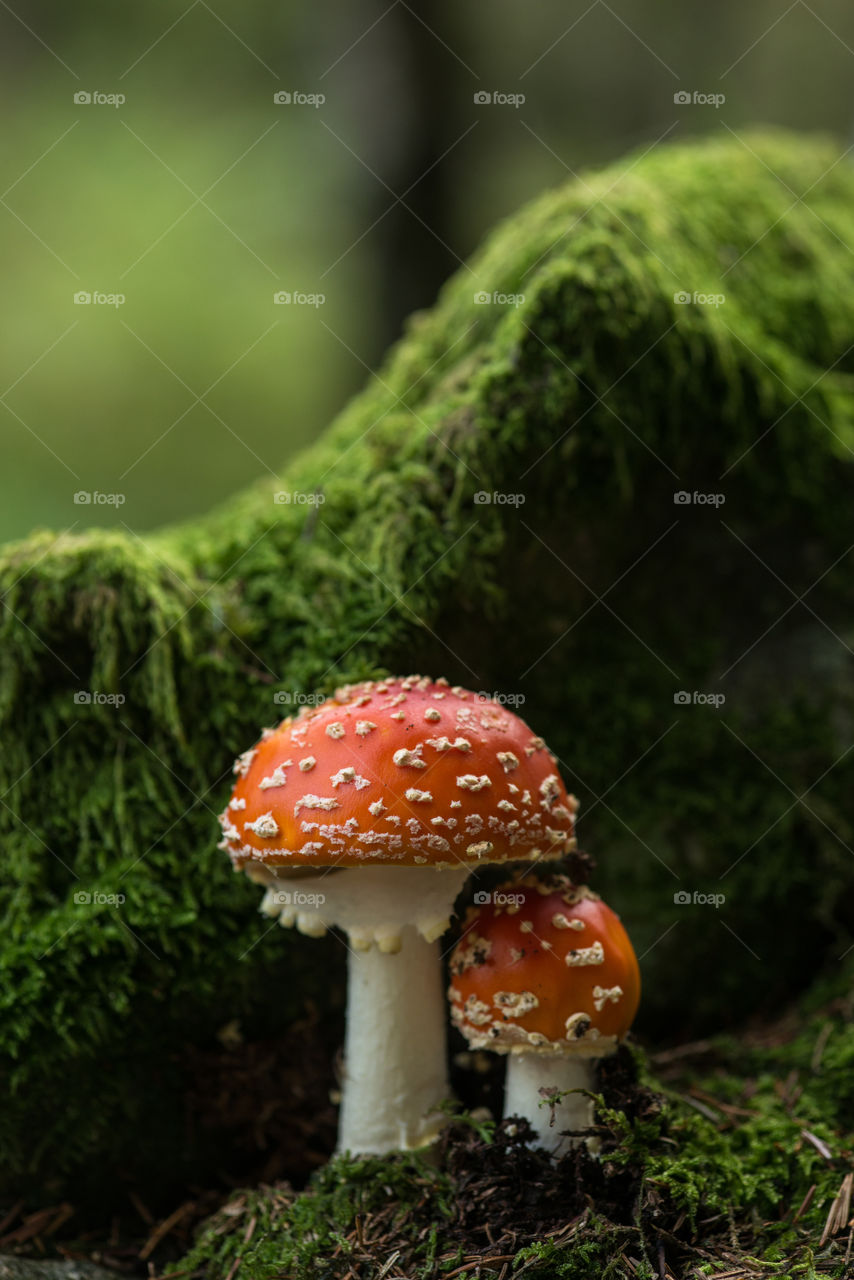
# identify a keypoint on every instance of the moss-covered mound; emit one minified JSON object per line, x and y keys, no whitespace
{"x":738,"y":1164}
{"x":578,"y":399}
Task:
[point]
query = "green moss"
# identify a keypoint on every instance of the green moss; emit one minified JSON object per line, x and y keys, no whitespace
{"x":301,"y":1236}
{"x":594,"y":400}
{"x":700,"y":1187}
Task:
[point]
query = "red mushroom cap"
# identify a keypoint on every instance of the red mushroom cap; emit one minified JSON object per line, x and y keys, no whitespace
{"x":544,"y":965}
{"x":408,"y":771}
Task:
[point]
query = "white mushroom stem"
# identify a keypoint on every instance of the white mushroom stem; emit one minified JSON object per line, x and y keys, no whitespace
{"x":395,"y":1069}
{"x":395,"y":1061}
{"x":528,"y":1073}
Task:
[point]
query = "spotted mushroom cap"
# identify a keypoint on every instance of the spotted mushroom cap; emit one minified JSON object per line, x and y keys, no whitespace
{"x":407,"y":771}
{"x":544,"y":965}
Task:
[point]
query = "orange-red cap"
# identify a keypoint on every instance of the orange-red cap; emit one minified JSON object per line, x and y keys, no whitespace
{"x":407,"y":771}
{"x":544,"y":965}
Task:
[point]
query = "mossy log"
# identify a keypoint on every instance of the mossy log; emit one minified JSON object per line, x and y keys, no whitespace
{"x":589,"y":400}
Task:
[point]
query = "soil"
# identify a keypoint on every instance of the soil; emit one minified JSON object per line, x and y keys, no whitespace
{"x":278,"y":1096}
{"x":267,"y":1107}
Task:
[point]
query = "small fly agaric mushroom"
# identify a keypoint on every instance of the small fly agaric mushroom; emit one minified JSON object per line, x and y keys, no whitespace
{"x":545,"y":973}
{"x":406,"y":784}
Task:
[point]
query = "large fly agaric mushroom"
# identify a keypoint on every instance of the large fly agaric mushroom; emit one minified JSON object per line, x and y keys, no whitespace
{"x":545,"y":973}
{"x":406,"y":785}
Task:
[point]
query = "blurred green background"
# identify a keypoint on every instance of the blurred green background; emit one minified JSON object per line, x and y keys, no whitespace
{"x":199,"y":197}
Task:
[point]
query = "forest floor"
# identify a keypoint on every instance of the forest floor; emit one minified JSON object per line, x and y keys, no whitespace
{"x":486,"y":1203}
